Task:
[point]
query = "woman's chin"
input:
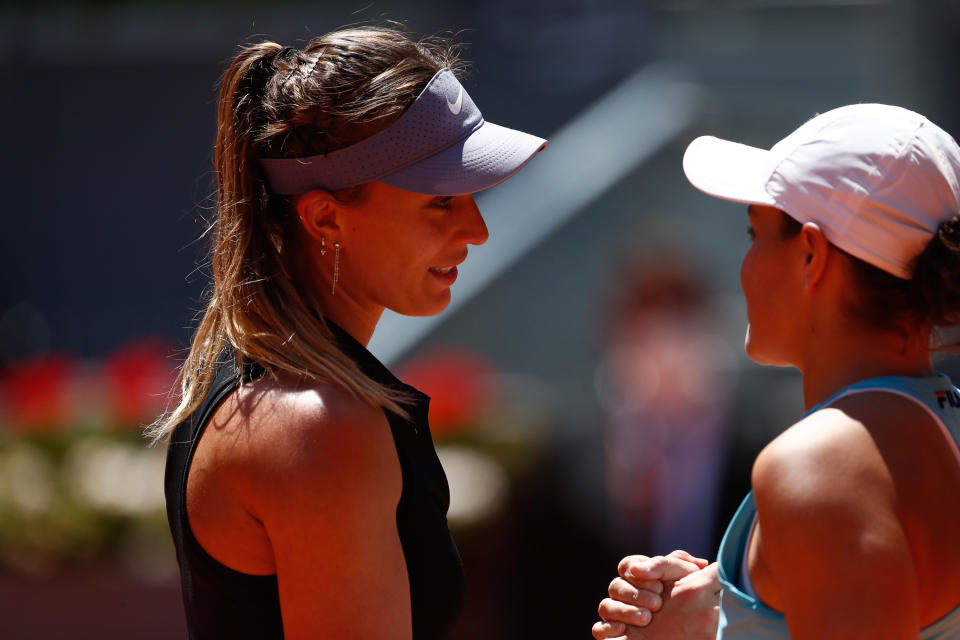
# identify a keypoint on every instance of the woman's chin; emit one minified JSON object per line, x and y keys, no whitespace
{"x":764,"y":357}
{"x":427,"y":307}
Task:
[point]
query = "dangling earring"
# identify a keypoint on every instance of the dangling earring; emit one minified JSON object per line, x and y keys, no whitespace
{"x":323,"y":245}
{"x":336,"y":268}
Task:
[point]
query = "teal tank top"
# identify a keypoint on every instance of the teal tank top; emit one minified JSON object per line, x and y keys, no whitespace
{"x":744,"y":617}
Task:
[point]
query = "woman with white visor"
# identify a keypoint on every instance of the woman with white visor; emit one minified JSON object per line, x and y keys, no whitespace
{"x":852,"y":529}
{"x":303,"y":491}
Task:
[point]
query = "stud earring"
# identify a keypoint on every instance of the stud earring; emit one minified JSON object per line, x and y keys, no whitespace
{"x":336,"y":268}
{"x":323,"y":245}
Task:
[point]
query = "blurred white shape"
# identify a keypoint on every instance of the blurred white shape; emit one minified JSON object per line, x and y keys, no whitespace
{"x":478,"y":484}
{"x":26,"y":480}
{"x":115,"y":477}
{"x":584,"y":159}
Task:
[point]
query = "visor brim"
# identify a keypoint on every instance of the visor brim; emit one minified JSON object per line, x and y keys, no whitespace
{"x":486,"y":157}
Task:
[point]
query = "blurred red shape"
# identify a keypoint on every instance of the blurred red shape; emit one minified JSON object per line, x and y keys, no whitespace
{"x":138,"y":378}
{"x":460,"y":386}
{"x":38,"y":393}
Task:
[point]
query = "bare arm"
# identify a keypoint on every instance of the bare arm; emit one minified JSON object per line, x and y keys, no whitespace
{"x":838,"y":556}
{"x":326,"y":491}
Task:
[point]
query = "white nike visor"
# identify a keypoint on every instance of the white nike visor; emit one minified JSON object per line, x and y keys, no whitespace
{"x":441,"y":145}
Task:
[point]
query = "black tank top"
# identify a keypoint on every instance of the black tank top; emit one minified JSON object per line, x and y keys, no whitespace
{"x":223,"y":603}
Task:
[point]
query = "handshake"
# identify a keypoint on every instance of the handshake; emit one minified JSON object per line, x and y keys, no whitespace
{"x":672,"y":597}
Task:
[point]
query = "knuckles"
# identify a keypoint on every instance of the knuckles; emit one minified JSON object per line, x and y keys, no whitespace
{"x":611,"y":609}
{"x":604,"y":608}
{"x":623,"y":591}
{"x":627,"y":562}
{"x":604,"y":629}
{"x":614,"y":588}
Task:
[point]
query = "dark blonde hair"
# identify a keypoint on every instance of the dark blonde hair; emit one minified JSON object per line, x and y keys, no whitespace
{"x":283,"y":102}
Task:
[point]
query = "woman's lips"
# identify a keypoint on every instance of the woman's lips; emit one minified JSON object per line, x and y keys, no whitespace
{"x":445,"y":274}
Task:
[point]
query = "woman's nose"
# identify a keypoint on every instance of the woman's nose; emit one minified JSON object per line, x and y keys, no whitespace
{"x":474,"y":228}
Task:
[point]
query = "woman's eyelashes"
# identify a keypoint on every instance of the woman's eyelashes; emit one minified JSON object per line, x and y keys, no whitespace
{"x":751,"y":233}
{"x":443,"y":203}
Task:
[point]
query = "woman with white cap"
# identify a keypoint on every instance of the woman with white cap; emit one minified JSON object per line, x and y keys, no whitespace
{"x":303,"y":491}
{"x":852,"y":529}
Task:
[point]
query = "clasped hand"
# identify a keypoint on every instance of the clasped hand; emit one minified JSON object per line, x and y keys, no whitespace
{"x":673,"y":597}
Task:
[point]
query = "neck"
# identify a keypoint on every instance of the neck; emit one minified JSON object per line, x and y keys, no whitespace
{"x":353,"y":318}
{"x":841,"y":360}
{"x":357,"y":318}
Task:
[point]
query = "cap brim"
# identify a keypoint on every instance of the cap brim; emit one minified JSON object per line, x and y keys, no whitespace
{"x":486,"y":157}
{"x":729,"y":170}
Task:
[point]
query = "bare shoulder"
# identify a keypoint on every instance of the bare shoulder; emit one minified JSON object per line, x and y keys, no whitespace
{"x":865,"y":441}
{"x":289,"y":411}
{"x":854,"y":517}
{"x":820,"y":449}
{"x":317,"y":473}
{"x":284,"y":435}
{"x":842,"y":473}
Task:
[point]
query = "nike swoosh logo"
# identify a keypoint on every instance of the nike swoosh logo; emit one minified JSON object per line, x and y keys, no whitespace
{"x":456,"y":106}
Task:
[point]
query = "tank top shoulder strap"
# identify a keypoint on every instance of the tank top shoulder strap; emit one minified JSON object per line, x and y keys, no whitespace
{"x":184,"y":443}
{"x":224,"y":381}
{"x":936,"y":394}
{"x":219,"y":601}
{"x":941,"y":399}
{"x":745,"y":617}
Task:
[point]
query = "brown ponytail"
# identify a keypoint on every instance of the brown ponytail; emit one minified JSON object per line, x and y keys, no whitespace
{"x":937,"y":276}
{"x":278,"y":101}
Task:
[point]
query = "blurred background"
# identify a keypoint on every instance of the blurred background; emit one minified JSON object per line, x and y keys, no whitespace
{"x":590,"y":393}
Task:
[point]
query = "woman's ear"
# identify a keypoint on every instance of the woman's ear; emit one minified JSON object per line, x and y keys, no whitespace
{"x":318,"y":211}
{"x":816,"y":250}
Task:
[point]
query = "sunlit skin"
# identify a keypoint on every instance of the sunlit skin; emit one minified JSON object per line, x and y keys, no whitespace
{"x":393,"y":243}
{"x":300,"y":478}
{"x":771,"y":283}
{"x":798,"y":293}
{"x":857,"y":516}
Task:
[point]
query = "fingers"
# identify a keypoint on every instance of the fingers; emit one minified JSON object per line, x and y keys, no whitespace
{"x":653,"y":586}
{"x":683,"y":555}
{"x":615,"y":611}
{"x":627,"y":561}
{"x":629,"y":594}
{"x":604,"y":629}
{"x":656,"y":568}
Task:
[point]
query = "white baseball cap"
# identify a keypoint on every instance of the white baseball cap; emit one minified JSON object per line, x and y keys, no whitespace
{"x":877,"y":179}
